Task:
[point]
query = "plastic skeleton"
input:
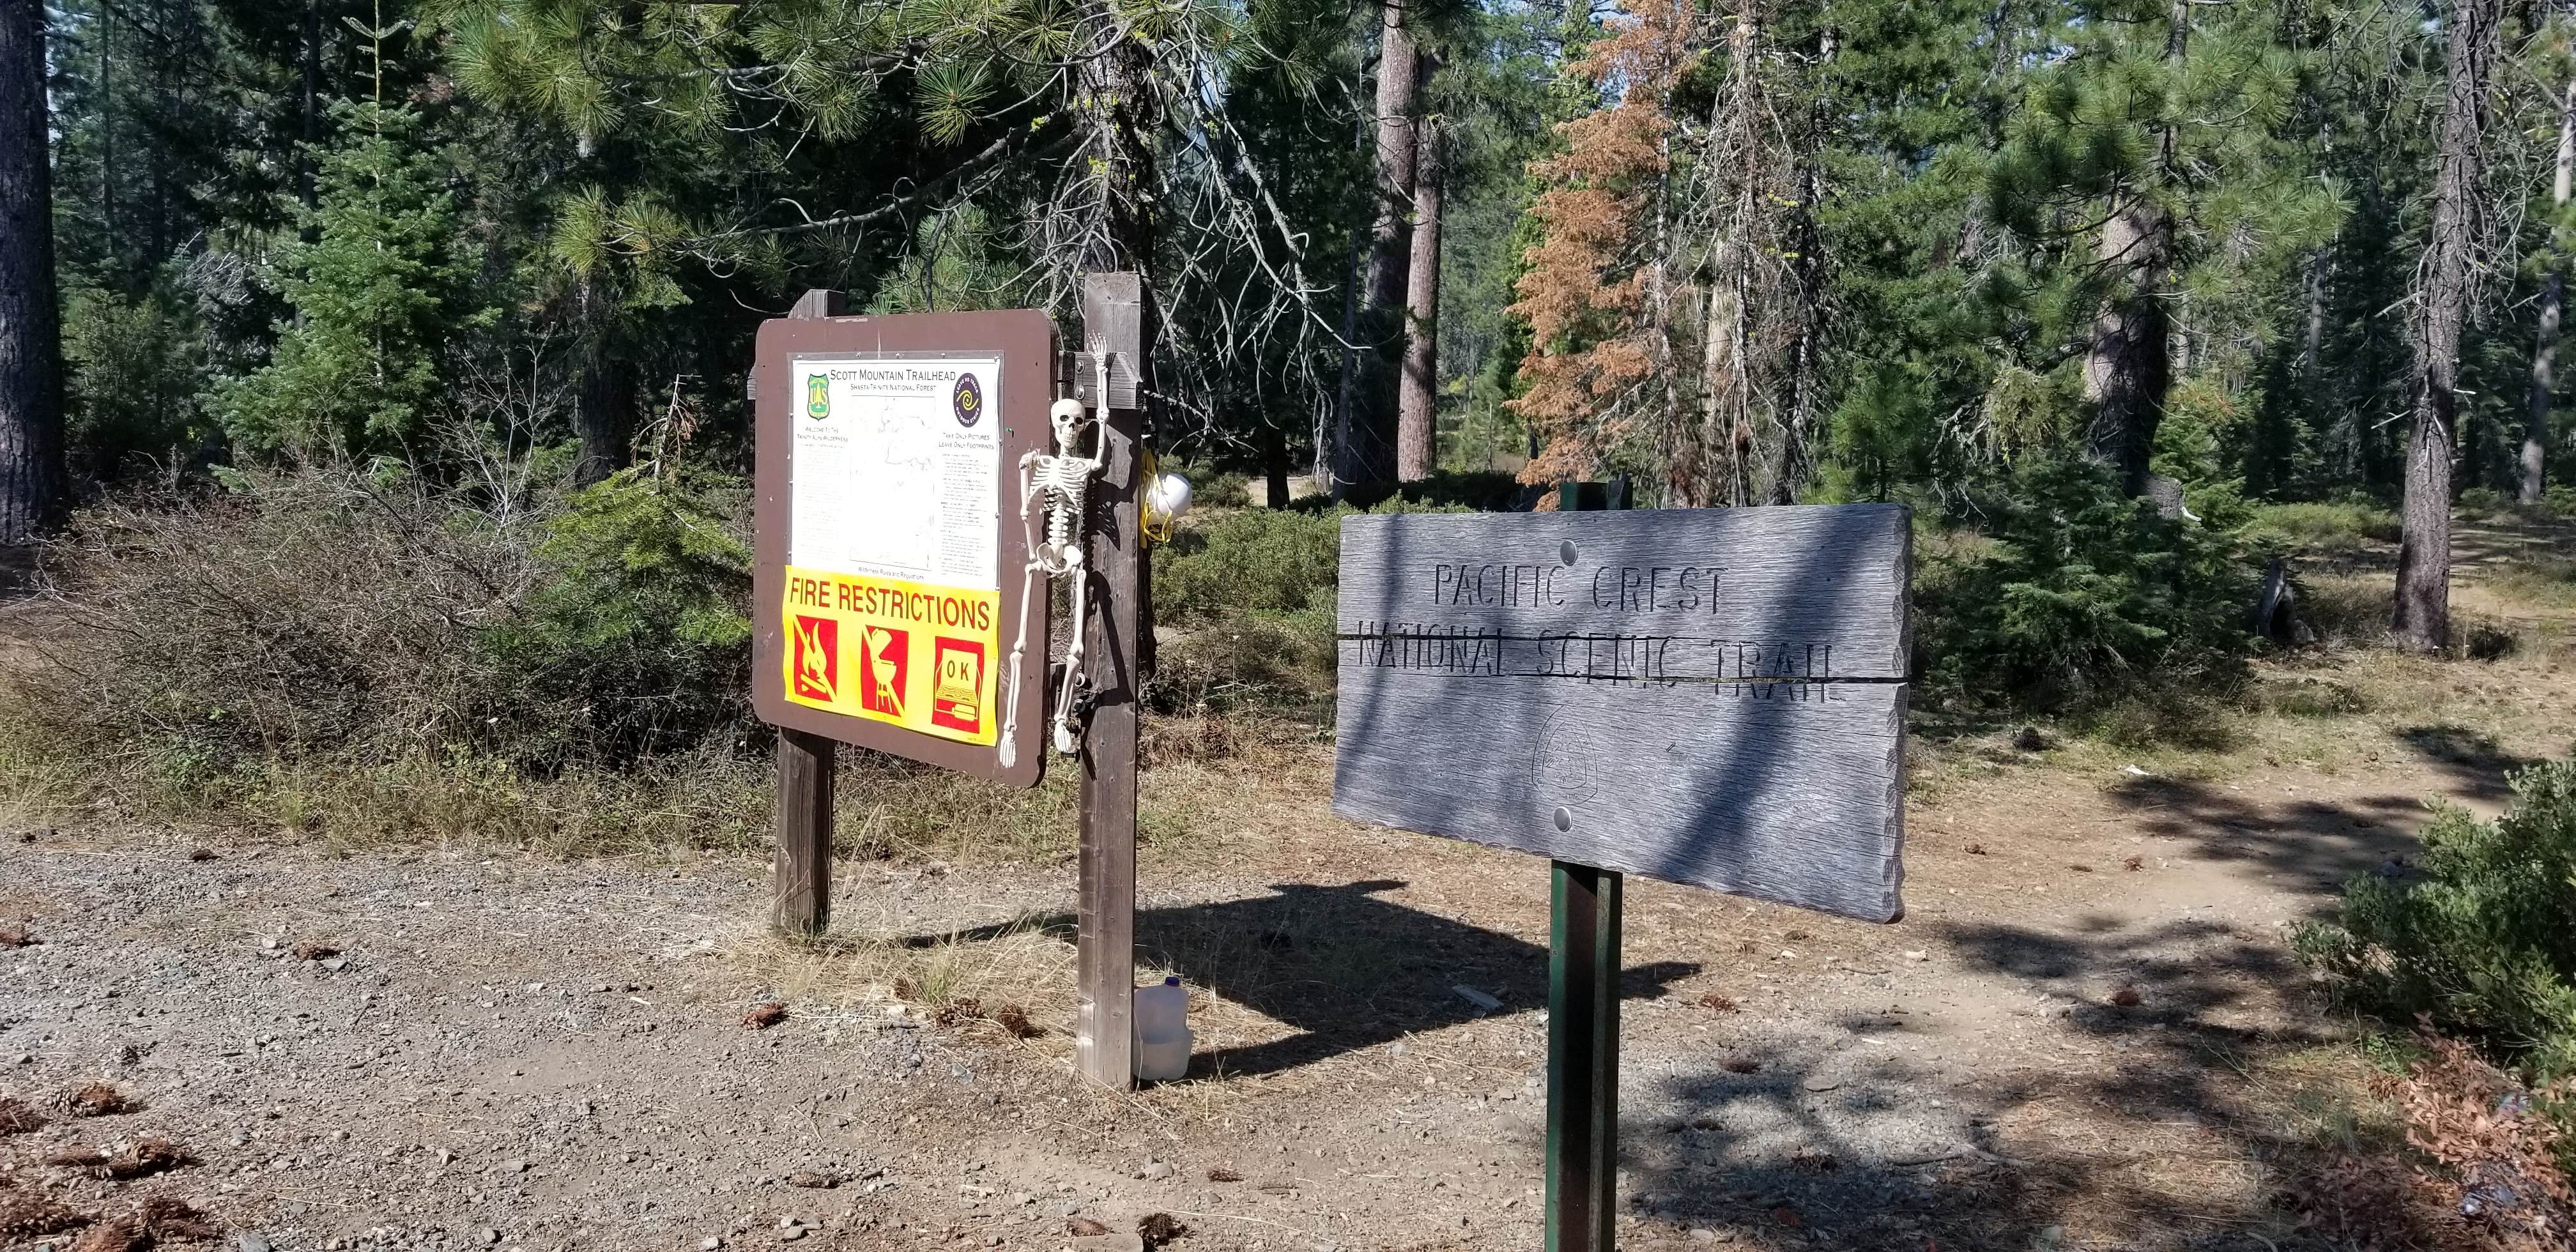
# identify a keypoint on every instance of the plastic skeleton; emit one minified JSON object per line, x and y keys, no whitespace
{"x":1061,"y":483}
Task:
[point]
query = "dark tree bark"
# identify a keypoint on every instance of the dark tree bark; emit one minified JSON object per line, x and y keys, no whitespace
{"x":312,"y":104}
{"x":2444,"y":287}
{"x":2129,"y":367}
{"x":2553,"y":293}
{"x":603,"y":391}
{"x":1274,"y":467}
{"x":1417,"y":410}
{"x":1365,"y":451}
{"x":31,"y":384}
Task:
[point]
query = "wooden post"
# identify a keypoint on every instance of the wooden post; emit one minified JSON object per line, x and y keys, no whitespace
{"x":1583,"y":1031}
{"x":800,"y":880}
{"x":1113,"y":348}
{"x":1582,"y":1058}
{"x":801,"y":874}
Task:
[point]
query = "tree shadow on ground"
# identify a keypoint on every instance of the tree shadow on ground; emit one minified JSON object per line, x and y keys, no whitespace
{"x":2322,"y":843}
{"x":1344,"y":967}
{"x":2472,"y":760}
{"x":1832,"y":1143}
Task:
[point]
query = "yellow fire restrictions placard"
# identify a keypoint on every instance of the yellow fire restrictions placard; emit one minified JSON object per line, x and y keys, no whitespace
{"x":912,"y":654}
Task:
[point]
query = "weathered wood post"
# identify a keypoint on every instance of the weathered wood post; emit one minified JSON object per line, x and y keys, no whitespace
{"x":1112,"y":358}
{"x":800,"y":873}
{"x":1583,"y":1032}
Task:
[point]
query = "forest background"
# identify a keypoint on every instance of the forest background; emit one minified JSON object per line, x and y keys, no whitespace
{"x":372,"y":375}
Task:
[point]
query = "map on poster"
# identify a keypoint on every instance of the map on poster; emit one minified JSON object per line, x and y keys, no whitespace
{"x":892,"y":597}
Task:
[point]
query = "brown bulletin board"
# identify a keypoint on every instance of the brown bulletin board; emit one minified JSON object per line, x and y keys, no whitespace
{"x":907,"y":652}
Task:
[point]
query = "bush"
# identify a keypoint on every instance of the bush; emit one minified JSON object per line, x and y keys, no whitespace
{"x":2480,"y":943}
{"x":2338,"y":526}
{"x":1258,"y":559}
{"x":370,"y":620}
{"x":637,"y":643}
{"x":2082,"y":597}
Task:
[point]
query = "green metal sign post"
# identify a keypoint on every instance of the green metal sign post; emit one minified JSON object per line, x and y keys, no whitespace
{"x":1583,"y":1023}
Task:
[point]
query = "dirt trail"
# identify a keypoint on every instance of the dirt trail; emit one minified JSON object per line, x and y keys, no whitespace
{"x":550,"y":1055}
{"x":2053,"y":1049}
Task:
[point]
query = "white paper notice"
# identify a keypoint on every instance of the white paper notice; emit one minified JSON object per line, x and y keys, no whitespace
{"x":897,"y":468}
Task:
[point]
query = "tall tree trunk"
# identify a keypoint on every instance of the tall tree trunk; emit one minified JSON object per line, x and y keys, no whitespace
{"x":603,"y":392}
{"x":31,"y":384}
{"x":1274,"y":467}
{"x":1725,"y":417}
{"x":2544,"y":354}
{"x":312,"y":104}
{"x":2129,"y":367}
{"x":1367,"y":448}
{"x":1808,"y":253}
{"x":1417,"y":422}
{"x":2444,"y":289}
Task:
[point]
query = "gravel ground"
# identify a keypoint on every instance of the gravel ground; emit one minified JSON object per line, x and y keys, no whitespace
{"x":450,"y":1048}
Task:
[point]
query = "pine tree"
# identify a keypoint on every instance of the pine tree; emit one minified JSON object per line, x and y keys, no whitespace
{"x":2154,"y":147}
{"x":2445,"y":289}
{"x":377,"y":294}
{"x":31,"y":392}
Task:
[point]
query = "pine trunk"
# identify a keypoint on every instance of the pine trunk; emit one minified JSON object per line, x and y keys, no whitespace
{"x":1417,"y":420}
{"x":1366,"y":450}
{"x":2544,"y":354}
{"x":2128,"y":368}
{"x":2444,"y":276}
{"x":31,"y":391}
{"x":603,"y":394}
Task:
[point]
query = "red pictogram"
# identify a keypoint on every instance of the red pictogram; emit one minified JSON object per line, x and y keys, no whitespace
{"x":818,"y":659}
{"x":957,"y":685}
{"x":884,"y":655}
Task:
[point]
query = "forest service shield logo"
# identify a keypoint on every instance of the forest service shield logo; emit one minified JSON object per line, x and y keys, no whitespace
{"x":818,"y":396}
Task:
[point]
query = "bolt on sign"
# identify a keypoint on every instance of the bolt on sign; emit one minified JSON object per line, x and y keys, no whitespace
{"x":889,"y":525}
{"x":1706,"y":696}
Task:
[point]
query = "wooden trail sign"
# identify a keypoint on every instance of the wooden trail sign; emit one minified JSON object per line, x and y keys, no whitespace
{"x":1714,"y":697}
{"x":1707,"y":696}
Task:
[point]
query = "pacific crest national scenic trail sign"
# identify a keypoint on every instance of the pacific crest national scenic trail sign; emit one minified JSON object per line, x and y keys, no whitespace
{"x":1713,"y":697}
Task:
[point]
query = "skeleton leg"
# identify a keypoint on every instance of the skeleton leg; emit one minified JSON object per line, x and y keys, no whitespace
{"x":1068,"y":729}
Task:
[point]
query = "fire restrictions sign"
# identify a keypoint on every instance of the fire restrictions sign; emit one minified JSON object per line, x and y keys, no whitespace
{"x":894,"y":486}
{"x":889,"y":524}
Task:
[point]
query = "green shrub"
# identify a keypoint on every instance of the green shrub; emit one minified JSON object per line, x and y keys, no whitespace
{"x":2082,"y":597}
{"x":1273,"y":560}
{"x":369,"y":620}
{"x":2337,"y":526}
{"x":636,"y":643}
{"x":2480,"y":940}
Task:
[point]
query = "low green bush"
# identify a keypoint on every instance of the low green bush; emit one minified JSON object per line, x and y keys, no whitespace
{"x":372,"y":618}
{"x":1272,"y":560}
{"x":2477,"y":937}
{"x":2081,"y":598}
{"x":2324,"y":526}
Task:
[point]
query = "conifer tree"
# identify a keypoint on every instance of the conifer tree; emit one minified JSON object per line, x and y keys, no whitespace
{"x":31,"y":391}
{"x":377,"y":293}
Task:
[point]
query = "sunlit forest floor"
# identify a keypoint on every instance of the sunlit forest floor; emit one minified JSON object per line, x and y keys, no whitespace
{"x":2087,"y":1031}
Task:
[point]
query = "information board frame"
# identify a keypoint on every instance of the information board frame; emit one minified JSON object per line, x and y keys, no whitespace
{"x":1024,"y":341}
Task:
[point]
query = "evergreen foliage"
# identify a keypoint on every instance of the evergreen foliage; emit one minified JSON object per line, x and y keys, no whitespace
{"x":2085,"y":595}
{"x":2475,"y":936}
{"x":379,"y":293}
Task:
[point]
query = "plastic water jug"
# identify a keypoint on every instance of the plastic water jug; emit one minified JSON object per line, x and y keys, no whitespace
{"x":1163,"y":1032}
